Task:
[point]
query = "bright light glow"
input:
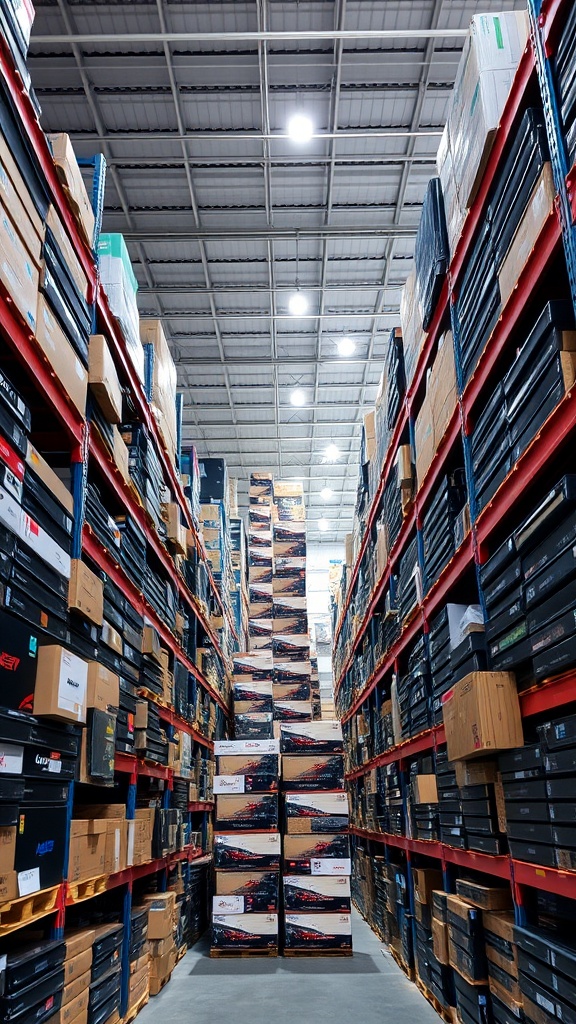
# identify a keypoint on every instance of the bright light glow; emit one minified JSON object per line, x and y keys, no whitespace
{"x":346,"y":347}
{"x":298,"y":397}
{"x":332,"y":453}
{"x":300,"y":128}
{"x":298,"y":304}
{"x":323,"y":525}
{"x":326,"y":493}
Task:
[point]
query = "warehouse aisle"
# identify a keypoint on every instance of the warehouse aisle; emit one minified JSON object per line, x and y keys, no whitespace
{"x":368,"y":987}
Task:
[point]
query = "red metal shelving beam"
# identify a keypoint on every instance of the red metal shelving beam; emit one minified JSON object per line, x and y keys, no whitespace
{"x":129,"y":764}
{"x":562,"y":883}
{"x":552,"y":694}
{"x":526,"y":69}
{"x":549,"y":240}
{"x":470,"y":859}
{"x":169,"y":716}
{"x":201,"y":805}
{"x":499,"y":867}
{"x":549,"y":19}
{"x":571,"y":189}
{"x":99,"y":554}
{"x":426,"y":740}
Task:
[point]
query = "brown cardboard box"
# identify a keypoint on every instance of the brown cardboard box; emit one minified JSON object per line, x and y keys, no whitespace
{"x":61,"y":684}
{"x":137,"y":965}
{"x":23,"y":213}
{"x":288,"y":488}
{"x":370,"y":435}
{"x":381,"y":548}
{"x":75,"y":986}
{"x":138,"y":985}
{"x":160,"y":947}
{"x":87,"y":855}
{"x":152,"y":645}
{"x":425,"y":881}
{"x":483,"y":896}
{"x":475,"y":773}
{"x":540,"y":208}
{"x":160,"y":914}
{"x":103,"y":687}
{"x":75,"y":1011}
{"x":121,"y":454}
{"x":425,"y":441}
{"x":112,"y":812}
{"x":443,"y":387}
{"x":18,"y":271}
{"x":7,"y":848}
{"x":47,"y":475}
{"x":71,"y":176}
{"x":164,"y":380}
{"x":76,"y":966}
{"x":67,"y":250}
{"x":61,"y":355}
{"x":77,"y":940}
{"x":111,"y":637}
{"x":86,"y":592}
{"x":116,"y":855}
{"x":482,"y":715}
{"x":10,"y":168}
{"x":103,"y":379}
{"x":440,"y":941}
{"x":175,"y":529}
{"x":424,"y":790}
{"x":349,"y":548}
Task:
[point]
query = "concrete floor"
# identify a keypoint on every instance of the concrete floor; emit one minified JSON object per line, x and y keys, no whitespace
{"x":368,"y":988}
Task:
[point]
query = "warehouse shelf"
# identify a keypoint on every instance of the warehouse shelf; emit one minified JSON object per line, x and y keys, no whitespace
{"x":200,"y":805}
{"x":116,"y":481}
{"x":135,"y":872}
{"x":426,"y":740}
{"x":554,"y":693}
{"x":499,"y":867}
{"x":554,"y":430}
{"x":171,"y":718}
{"x":99,"y":554}
{"x":525,"y":74}
{"x":549,"y":242}
{"x":438,"y":593}
{"x":134,"y":766}
{"x":560,"y":883}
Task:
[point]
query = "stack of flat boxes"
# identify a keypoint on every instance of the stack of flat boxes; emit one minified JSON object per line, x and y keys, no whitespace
{"x":315,"y":688}
{"x":317,"y":867}
{"x":291,"y":641}
{"x":246,"y":847}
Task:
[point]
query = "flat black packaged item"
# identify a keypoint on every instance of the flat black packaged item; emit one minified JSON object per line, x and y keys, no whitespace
{"x":31,"y":1003}
{"x":554,"y":507}
{"x":101,"y":739}
{"x":533,"y":853}
{"x":432,"y":254}
{"x":41,"y":843}
{"x":26,"y":965}
{"x":13,"y":401}
{"x":51,"y":625}
{"x":555,"y":659}
{"x":102,"y":1013}
{"x":517,"y":179}
{"x":106,"y":947}
{"x":105,"y":987}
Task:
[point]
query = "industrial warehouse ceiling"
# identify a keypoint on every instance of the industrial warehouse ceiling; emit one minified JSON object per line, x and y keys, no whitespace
{"x":227,"y":216}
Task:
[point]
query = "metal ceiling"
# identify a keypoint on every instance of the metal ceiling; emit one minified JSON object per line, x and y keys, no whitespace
{"x":223,"y":212}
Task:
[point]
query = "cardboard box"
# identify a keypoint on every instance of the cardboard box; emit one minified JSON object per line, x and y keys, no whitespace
{"x":151,"y":644}
{"x":440,"y":941}
{"x":61,"y":684}
{"x":242,"y":852}
{"x":18,"y":271}
{"x":75,"y":1011}
{"x":164,"y":381}
{"x":7,"y":848}
{"x":540,"y":208}
{"x":475,"y":773}
{"x":424,"y":789}
{"x":121,"y":454}
{"x":425,"y":441}
{"x":87,"y":853}
{"x":75,"y":986}
{"x":160,"y":947}
{"x":483,"y":896}
{"x":71,"y":176}
{"x":161,"y":910}
{"x":482,"y":715}
{"x":86,"y":592}
{"x":9,"y":887}
{"x":308,"y":772}
{"x":15,"y":188}
{"x":425,"y":881}
{"x":103,"y":687}
{"x":60,"y":354}
{"x":318,"y":931}
{"x":175,"y":529}
{"x":103,"y":379}
{"x":77,"y":940}
{"x":138,"y":985}
{"x":76,"y":966}
{"x":244,"y":931}
{"x":443,"y":388}
{"x":249,"y":811}
{"x":46,"y":474}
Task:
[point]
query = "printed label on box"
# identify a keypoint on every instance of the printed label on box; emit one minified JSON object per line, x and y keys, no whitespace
{"x":325,"y":866}
{"x":228,"y":905}
{"x":11,"y":759}
{"x":229,"y":784}
{"x":28,"y":881}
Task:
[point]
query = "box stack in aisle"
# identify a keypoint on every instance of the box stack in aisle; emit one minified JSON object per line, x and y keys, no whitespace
{"x":246,"y":847}
{"x":316,"y":858}
{"x":290,"y":642}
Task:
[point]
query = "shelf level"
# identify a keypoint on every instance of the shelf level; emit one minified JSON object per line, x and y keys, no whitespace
{"x":427,"y":740}
{"x":499,"y":867}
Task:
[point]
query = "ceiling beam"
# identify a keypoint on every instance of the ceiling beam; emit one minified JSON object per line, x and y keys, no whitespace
{"x":262,"y":36}
{"x":249,"y":135}
{"x":263,"y":234}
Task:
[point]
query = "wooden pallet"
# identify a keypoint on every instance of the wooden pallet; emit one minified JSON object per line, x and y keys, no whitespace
{"x":241,"y":954}
{"x":318,"y":952}
{"x":28,"y":909}
{"x":408,"y":971}
{"x":163,"y":984}
{"x":448,"y":1014}
{"x":76,"y":892}
{"x":133,"y":1011}
{"x":154,"y":698}
{"x":181,"y":953}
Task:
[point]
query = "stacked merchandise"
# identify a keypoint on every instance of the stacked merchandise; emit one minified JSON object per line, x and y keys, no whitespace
{"x":106,"y":972}
{"x":246,"y":847}
{"x":291,"y":647}
{"x":315,"y":688}
{"x":139,"y":980}
{"x":260,"y":562}
{"x":51,"y":977}
{"x":145,"y":471}
{"x":482,"y":799}
{"x":429,"y":969}
{"x":413,"y":690}
{"x":457,"y":646}
{"x":162,"y":918}
{"x":160,"y":382}
{"x":423,"y":800}
{"x":564,"y":66}
{"x":441,"y":532}
{"x":316,"y":880}
{"x":215,"y":527}
{"x":240,"y":594}
{"x":452,"y":831}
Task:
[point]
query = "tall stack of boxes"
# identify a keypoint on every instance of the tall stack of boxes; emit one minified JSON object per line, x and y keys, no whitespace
{"x":291,"y":641}
{"x":316,"y":864}
{"x":260,"y":562}
{"x":246,"y":847}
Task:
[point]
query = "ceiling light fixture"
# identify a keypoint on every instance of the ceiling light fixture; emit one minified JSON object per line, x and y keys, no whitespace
{"x":300,"y":128}
{"x":326,"y":493}
{"x":298,"y":304}
{"x":323,"y":525}
{"x":346,"y":347}
{"x":298,"y":397}
{"x":332,"y":453}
